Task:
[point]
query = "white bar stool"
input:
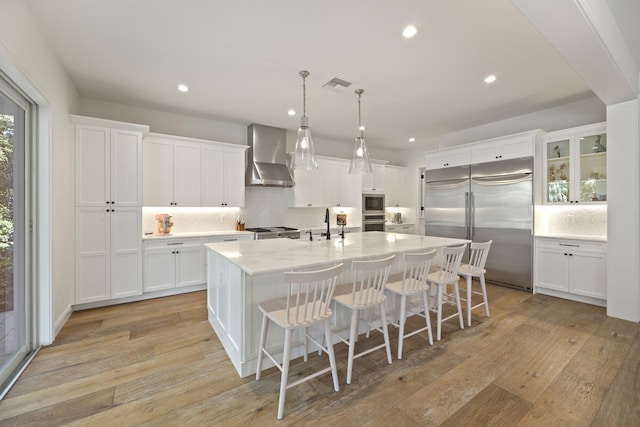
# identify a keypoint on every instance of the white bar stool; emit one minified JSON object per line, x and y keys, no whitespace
{"x":308,"y":302}
{"x":448,"y":275}
{"x":367,"y":291}
{"x":475,"y":268}
{"x":414,"y":282}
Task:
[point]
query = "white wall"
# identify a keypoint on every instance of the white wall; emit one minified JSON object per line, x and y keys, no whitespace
{"x":623,"y":198}
{"x":26,"y":52}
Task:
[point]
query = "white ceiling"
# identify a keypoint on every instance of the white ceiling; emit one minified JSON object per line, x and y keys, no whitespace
{"x":241,"y":60}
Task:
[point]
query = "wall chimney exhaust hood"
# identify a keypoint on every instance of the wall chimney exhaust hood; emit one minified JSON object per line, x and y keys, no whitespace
{"x":267,"y":157}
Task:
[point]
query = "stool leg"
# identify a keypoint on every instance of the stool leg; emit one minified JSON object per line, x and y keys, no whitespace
{"x":385,"y":329}
{"x":263,"y":339}
{"x":425,"y":302}
{"x":306,"y":345}
{"x":332,"y":357}
{"x":484,"y":295}
{"x":285,"y":371}
{"x":369,"y":320}
{"x":401,"y":320}
{"x":456,"y":292}
{"x":469,"y":283}
{"x":439,"y":305}
{"x":352,"y":342}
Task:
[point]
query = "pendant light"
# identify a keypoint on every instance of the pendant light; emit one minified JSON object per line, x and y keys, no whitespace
{"x":304,"y":155}
{"x":360,"y":160}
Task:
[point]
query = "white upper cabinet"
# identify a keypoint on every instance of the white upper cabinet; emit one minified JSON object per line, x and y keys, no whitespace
{"x":171,"y":172}
{"x":394,"y":186}
{"x":349,"y":192}
{"x":374,"y":182}
{"x":448,"y":158}
{"x":223,"y":176}
{"x":503,"y":149}
{"x":328,"y":186}
{"x":491,"y":150}
{"x":190,"y":172}
{"x":212,"y":176}
{"x":308,"y":190}
{"x":157,"y":172}
{"x":575,"y":165}
{"x":187,"y":174}
{"x":108,"y":162}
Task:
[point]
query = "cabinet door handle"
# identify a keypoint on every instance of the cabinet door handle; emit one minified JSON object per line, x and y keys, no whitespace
{"x":175,"y":243}
{"x":569,"y":244}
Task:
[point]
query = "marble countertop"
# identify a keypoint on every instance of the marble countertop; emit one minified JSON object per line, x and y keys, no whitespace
{"x":582,"y":237}
{"x":195,"y":234}
{"x":271,"y":255}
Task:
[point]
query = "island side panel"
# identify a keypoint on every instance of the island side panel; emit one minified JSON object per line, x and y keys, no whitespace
{"x":224,"y":301}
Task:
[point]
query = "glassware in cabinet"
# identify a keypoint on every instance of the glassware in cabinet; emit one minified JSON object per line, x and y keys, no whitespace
{"x":593,"y":168}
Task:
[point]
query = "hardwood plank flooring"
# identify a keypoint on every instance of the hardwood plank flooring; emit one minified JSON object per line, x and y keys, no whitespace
{"x":537,"y":360}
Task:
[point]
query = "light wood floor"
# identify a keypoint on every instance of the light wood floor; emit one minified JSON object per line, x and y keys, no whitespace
{"x":536,"y":361}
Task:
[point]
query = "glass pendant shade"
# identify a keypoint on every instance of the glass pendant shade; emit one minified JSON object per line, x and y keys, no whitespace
{"x":360,"y":163}
{"x":304,"y":154}
{"x":360,"y":159}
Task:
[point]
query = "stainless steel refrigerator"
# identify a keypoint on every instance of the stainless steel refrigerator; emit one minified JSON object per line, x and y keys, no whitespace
{"x":488,"y":201}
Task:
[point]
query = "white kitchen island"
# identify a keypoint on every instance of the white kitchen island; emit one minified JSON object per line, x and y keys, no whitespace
{"x":242,"y":274}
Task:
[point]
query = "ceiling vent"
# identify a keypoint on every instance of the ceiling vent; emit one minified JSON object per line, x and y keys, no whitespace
{"x":336,"y":82}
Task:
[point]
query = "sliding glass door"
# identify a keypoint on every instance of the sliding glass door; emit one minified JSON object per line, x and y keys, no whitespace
{"x":15,"y":309}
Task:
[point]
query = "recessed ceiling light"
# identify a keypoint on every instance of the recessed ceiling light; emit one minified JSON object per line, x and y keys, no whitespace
{"x":291,"y":112}
{"x":412,"y":140}
{"x":490,"y":78}
{"x":409,"y":31}
{"x":183,"y":88}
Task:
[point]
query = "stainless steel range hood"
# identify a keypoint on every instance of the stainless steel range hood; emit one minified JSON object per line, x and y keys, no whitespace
{"x":267,"y":157}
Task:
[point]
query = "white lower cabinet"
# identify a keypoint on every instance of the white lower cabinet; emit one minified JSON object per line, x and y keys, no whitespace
{"x":108,"y":253}
{"x":171,"y":263}
{"x":573,"y":269}
{"x":399,"y":228}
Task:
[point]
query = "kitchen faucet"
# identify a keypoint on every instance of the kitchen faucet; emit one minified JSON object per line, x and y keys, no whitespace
{"x":326,"y":219}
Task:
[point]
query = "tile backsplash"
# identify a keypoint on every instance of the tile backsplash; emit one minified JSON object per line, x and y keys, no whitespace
{"x":583,"y":220}
{"x":264,"y":207}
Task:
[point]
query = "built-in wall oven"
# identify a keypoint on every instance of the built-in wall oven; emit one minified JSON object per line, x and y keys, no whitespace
{"x":373,"y":216}
{"x":372,"y":203}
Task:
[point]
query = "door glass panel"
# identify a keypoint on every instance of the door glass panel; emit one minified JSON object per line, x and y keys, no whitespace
{"x":13,"y":308}
{"x":593,"y":168}
{"x":558,"y":171}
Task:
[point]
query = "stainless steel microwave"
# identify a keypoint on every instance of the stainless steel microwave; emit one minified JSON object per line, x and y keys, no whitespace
{"x":372,"y":203}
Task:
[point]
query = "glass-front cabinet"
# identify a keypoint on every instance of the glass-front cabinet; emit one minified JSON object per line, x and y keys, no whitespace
{"x":575,"y":165}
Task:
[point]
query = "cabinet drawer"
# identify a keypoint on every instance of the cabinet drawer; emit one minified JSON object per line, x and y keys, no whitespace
{"x":397,"y":228}
{"x":169,"y":243}
{"x":573,"y":245}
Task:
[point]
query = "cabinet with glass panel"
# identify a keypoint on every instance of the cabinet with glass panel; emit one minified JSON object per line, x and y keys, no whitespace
{"x":575,"y":165}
